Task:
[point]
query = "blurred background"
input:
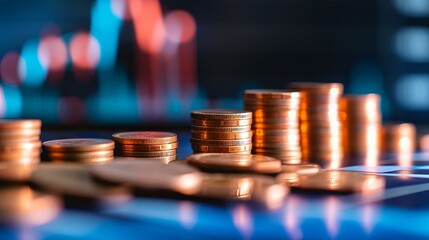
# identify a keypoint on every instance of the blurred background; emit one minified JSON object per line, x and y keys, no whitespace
{"x":133,"y":62}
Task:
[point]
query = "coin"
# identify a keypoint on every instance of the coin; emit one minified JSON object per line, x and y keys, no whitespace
{"x":220,"y":114}
{"x":318,"y":88}
{"x":238,"y":142}
{"x":71,"y":156}
{"x":164,"y":160}
{"x":240,"y":187}
{"x":151,"y":175}
{"x":75,"y":180}
{"x":18,"y":170}
{"x":235,"y":162}
{"x":13,"y":147}
{"x":291,"y":172}
{"x":147,"y":154}
{"x":221,"y":129}
{"x":6,"y":134}
{"x":220,"y":135}
{"x":89,"y":161}
{"x":78,"y":145}
{"x":221,"y":149}
{"x":12,"y":156}
{"x":20,"y":205}
{"x":341,"y":181}
{"x":147,"y":147}
{"x":221,"y":123}
{"x":270,"y":94}
{"x":8,"y":124}
{"x":145,"y":137}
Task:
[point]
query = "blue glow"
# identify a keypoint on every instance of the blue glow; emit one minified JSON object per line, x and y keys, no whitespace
{"x":412,"y":44}
{"x":13,"y":100}
{"x":30,"y":68}
{"x":414,"y":8}
{"x":105,"y":27}
{"x":412,"y":91}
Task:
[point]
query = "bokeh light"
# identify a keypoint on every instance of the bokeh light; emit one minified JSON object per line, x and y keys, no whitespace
{"x":180,"y":26}
{"x":52,"y":53}
{"x":84,"y":51}
{"x":9,"y":68}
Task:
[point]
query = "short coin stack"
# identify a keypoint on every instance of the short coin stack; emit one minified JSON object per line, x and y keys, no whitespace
{"x":361,"y":117}
{"x":19,"y":148}
{"x":221,"y":131}
{"x":275,"y":123}
{"x":154,"y":145}
{"x":79,"y":150}
{"x":399,"y":138}
{"x":320,"y":125}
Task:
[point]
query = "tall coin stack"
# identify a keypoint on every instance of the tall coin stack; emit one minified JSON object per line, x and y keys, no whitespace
{"x":361,"y":127}
{"x":19,"y":148}
{"x":160,"y":146}
{"x":221,"y":131}
{"x":79,"y":150}
{"x":320,"y":124}
{"x":275,"y":123}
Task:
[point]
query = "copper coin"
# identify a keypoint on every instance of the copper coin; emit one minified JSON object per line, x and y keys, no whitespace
{"x":262,"y":113}
{"x":270,"y":94}
{"x":147,"y":147}
{"x":20,"y":205}
{"x":220,"y":135}
{"x":221,"y":114}
{"x":147,"y":154}
{"x":272,"y":126}
{"x":164,"y":160}
{"x":238,"y":142}
{"x":91,"y":161}
{"x":12,"y":156}
{"x":276,"y":120}
{"x":318,"y":88}
{"x":6,"y":147}
{"x":20,"y":133}
{"x":145,"y":137}
{"x":18,"y":170}
{"x":71,"y":156}
{"x":221,"y":123}
{"x":151,"y":175}
{"x":75,"y":180}
{"x":222,"y":129}
{"x":341,"y":181}
{"x":221,"y":149}
{"x":79,"y":145}
{"x":235,"y":162}
{"x":196,"y":151}
{"x":240,"y":187}
{"x":8,"y":124}
{"x":290,"y":173}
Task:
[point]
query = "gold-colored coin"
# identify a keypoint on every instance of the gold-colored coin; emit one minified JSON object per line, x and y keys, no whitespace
{"x":78,"y":145}
{"x":235,"y":162}
{"x":145,"y":137}
{"x":20,"y":205}
{"x":238,"y":187}
{"x":221,"y":114}
{"x":221,"y":123}
{"x":151,"y":175}
{"x":238,"y":142}
{"x":220,"y":135}
{"x":18,"y":170}
{"x":341,"y":181}
{"x":8,"y":124}
{"x":147,"y":147}
{"x":75,"y":180}
{"x":221,"y":149}
{"x":147,"y":154}
{"x":221,"y":129}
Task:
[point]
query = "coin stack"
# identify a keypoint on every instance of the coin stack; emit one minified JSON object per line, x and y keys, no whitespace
{"x":19,"y":148}
{"x":361,"y":124}
{"x":221,"y":131}
{"x":147,"y":145}
{"x":398,"y":138}
{"x":320,"y":125}
{"x":275,"y":123}
{"x":79,"y":150}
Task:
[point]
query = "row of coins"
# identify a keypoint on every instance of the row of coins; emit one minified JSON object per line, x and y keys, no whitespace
{"x":222,"y":131}
{"x":154,"y":145}
{"x":275,"y":123}
{"x":320,"y":123}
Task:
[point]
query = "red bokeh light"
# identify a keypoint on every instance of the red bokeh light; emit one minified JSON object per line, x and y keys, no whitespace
{"x":52,"y":52}
{"x":180,"y":26}
{"x":84,"y":51}
{"x":9,"y":68}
